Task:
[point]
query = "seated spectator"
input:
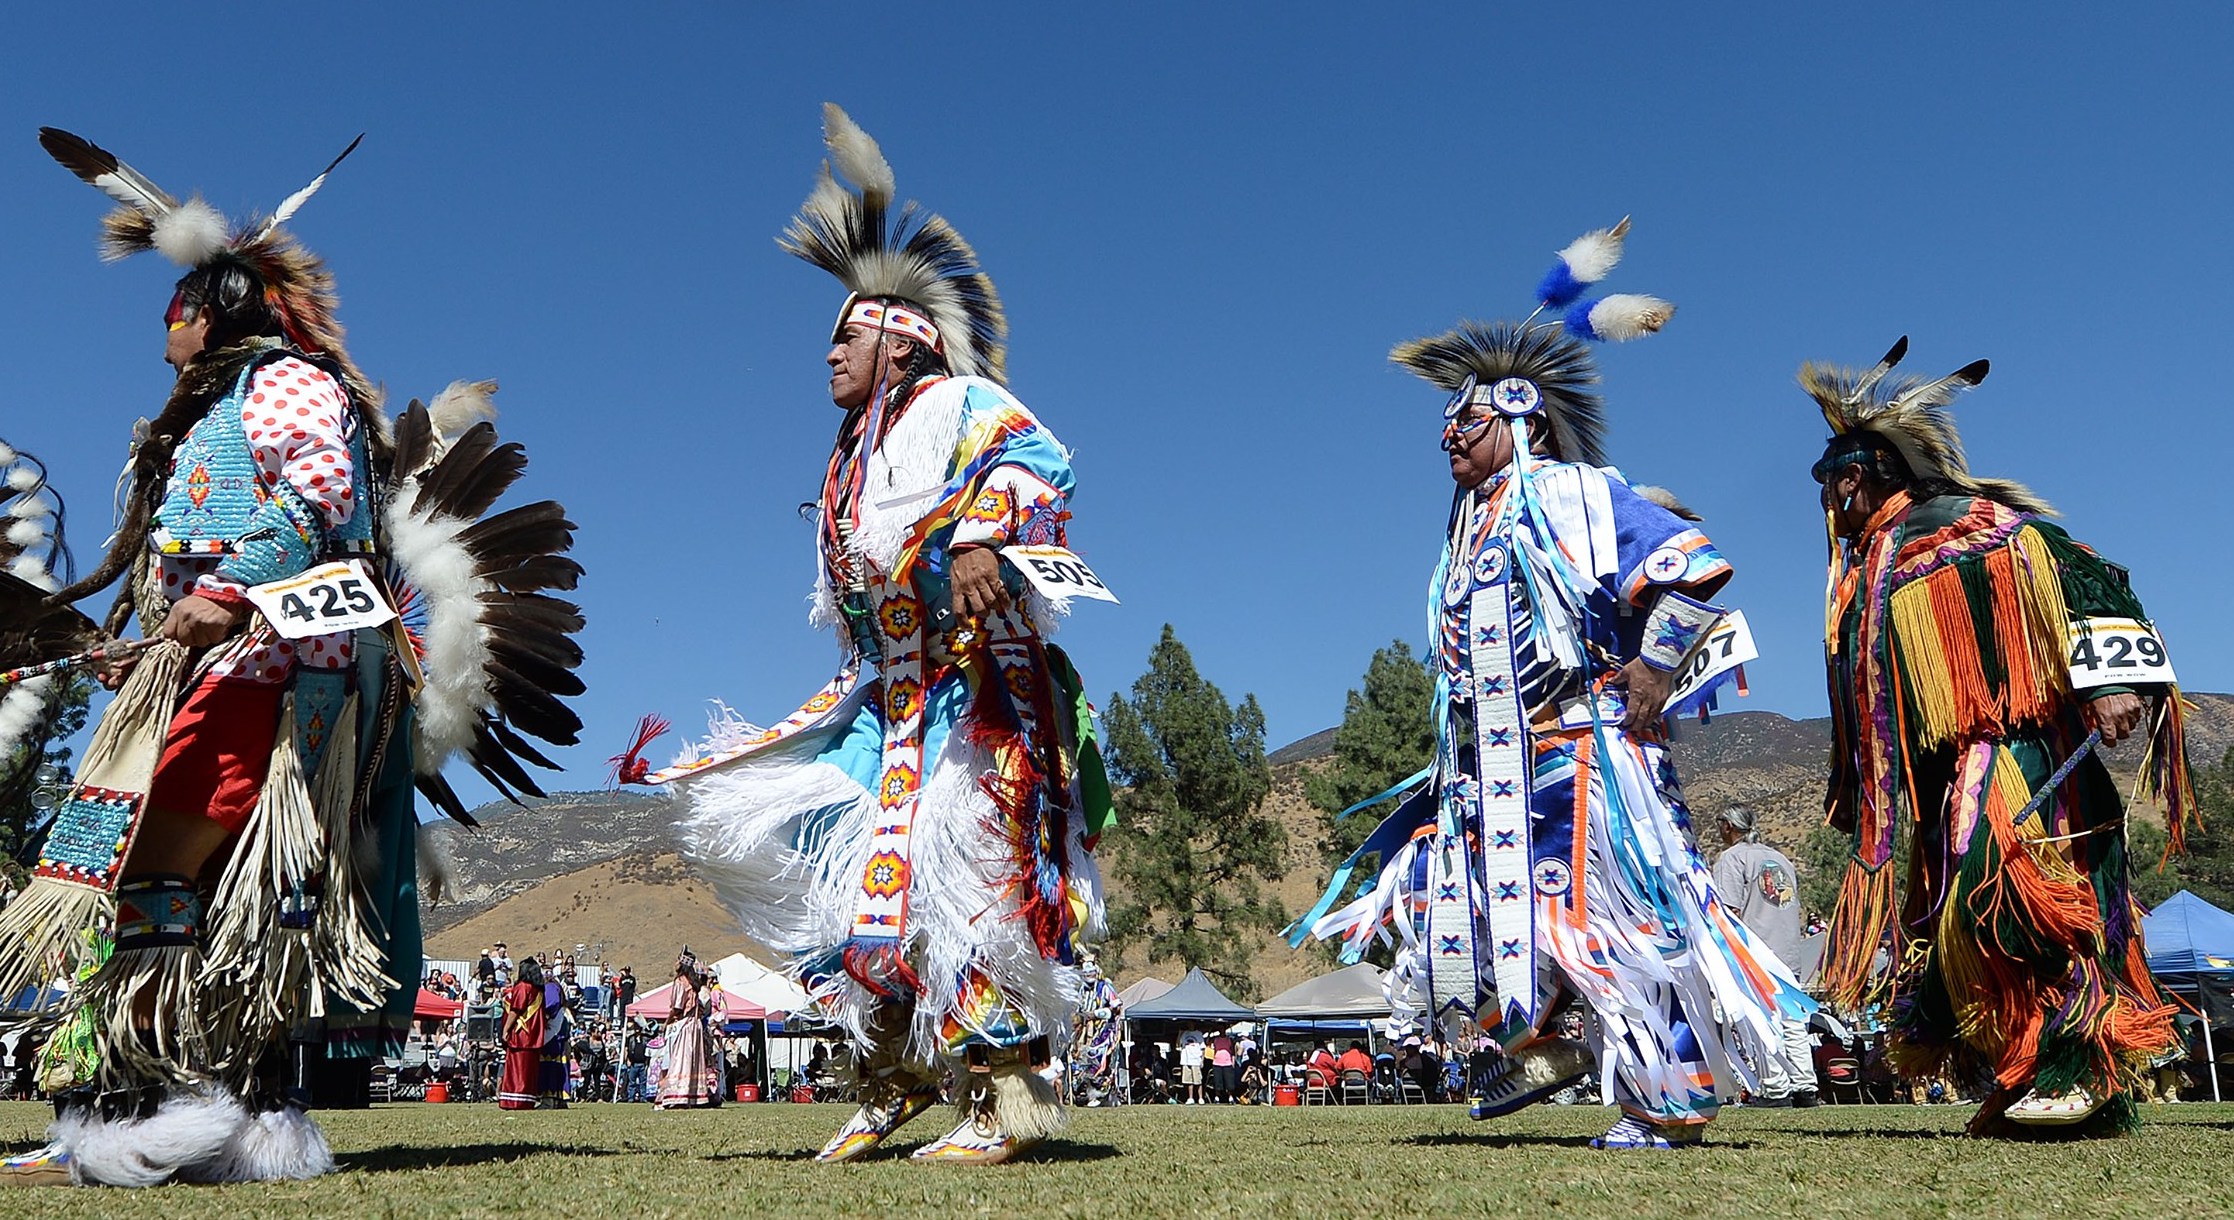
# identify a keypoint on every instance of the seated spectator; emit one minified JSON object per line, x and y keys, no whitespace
{"x":1321,"y":1069}
{"x":1355,"y":1060}
{"x":1254,"y":1079}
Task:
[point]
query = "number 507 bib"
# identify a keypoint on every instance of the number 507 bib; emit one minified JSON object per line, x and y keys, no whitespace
{"x":329,"y":598}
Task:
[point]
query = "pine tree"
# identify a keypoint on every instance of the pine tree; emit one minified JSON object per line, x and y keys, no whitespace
{"x":1387,"y":733}
{"x":1193,"y":845}
{"x":2207,"y":867}
{"x":22,"y":821}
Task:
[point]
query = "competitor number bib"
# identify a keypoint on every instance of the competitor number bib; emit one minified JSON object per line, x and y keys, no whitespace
{"x":1056,"y":572}
{"x":1726,"y":647}
{"x":330,"y":598}
{"x":2117,"y":652}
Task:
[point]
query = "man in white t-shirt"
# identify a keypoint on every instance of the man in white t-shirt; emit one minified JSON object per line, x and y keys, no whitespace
{"x":1190,"y":1067}
{"x":1758,"y":884}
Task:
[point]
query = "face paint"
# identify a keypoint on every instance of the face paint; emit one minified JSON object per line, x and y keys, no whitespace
{"x":174,"y":317}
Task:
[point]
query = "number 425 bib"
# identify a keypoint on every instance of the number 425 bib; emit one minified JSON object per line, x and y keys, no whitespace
{"x":329,"y":598}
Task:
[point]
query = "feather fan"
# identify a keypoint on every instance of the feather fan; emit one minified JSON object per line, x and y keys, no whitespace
{"x":499,"y":652}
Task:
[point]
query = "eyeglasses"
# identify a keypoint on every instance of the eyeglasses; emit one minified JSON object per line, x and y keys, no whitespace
{"x":1459,"y":433}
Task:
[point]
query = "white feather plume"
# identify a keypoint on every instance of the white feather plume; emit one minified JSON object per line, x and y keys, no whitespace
{"x":23,"y":478}
{"x":7,"y":453}
{"x":191,"y":233}
{"x":33,"y":570}
{"x":436,"y":876}
{"x":293,"y":203}
{"x":23,"y":708}
{"x":26,"y":533}
{"x":1627,"y":315}
{"x":1592,"y":256}
{"x":856,"y":155}
{"x":461,"y":405}
{"x":29,"y":507}
{"x":458,"y":684}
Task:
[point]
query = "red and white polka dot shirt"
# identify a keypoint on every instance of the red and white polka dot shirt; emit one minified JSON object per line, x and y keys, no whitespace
{"x":295,"y":417}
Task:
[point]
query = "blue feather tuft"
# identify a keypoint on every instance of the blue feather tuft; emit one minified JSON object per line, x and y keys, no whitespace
{"x":1559,"y":287}
{"x":1577,"y":320}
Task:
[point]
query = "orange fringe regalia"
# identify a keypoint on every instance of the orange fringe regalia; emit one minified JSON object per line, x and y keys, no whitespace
{"x":1948,"y":635}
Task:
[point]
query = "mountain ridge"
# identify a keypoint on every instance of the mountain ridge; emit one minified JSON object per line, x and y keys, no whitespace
{"x":602,"y":868}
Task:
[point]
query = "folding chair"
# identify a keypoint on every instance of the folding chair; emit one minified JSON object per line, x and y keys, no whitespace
{"x":1844,"y":1075}
{"x":1356,"y":1090}
{"x":1317,"y":1089}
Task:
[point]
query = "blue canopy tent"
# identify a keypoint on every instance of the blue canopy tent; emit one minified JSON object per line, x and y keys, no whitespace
{"x":34,"y":999}
{"x":2191,"y":952}
{"x":1196,"y":1000}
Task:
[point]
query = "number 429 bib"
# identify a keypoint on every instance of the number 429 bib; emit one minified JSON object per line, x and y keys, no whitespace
{"x":2117,"y":652}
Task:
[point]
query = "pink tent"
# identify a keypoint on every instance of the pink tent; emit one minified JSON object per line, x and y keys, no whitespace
{"x":656,"y":1004}
{"x":435,"y":1007}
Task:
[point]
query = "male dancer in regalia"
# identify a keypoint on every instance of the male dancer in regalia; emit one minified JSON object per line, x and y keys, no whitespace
{"x":1547,"y":859}
{"x":1978,"y":655}
{"x":234,"y":875}
{"x":916,"y":835}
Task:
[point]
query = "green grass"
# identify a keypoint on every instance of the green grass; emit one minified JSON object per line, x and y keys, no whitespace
{"x":625,"y":1162}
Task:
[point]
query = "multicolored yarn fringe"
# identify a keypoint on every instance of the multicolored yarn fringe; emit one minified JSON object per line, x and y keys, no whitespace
{"x":1948,"y":652}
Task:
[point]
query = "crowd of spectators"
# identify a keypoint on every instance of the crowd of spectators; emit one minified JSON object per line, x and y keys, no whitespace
{"x":1224,"y":1067}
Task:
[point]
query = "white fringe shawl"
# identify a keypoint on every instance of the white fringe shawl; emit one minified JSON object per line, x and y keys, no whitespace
{"x":744,"y":833}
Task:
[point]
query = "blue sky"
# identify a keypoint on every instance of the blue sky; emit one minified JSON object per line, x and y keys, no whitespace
{"x":1209,"y":222}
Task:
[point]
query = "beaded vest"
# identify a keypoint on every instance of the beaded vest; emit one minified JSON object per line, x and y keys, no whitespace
{"x":215,"y":503}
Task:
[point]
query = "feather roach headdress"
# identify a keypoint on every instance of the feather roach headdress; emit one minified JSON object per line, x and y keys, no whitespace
{"x":296,"y":282}
{"x":906,"y":272}
{"x":1908,"y":416}
{"x":1544,"y":368}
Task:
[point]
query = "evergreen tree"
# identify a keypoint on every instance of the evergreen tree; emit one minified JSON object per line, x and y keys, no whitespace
{"x":1387,"y":733}
{"x":1821,"y":863}
{"x":22,"y":819}
{"x":1193,"y":845}
{"x":2207,"y":867}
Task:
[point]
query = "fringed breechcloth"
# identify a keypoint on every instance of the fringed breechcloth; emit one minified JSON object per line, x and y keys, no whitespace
{"x":997,"y":884}
{"x":2023,"y":943}
{"x":1680,"y":997}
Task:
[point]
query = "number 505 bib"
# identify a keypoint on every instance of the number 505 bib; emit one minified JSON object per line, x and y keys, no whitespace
{"x":1054,"y":571}
{"x":332,"y":597}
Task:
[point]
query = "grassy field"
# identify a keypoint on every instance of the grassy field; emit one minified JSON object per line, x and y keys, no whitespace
{"x":624,"y":1162}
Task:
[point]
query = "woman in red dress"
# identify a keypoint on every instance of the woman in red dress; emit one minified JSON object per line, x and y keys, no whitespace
{"x":523,"y":1038}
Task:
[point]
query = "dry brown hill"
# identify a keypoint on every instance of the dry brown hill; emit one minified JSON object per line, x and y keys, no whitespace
{"x":599,"y":868}
{"x":634,"y":910}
